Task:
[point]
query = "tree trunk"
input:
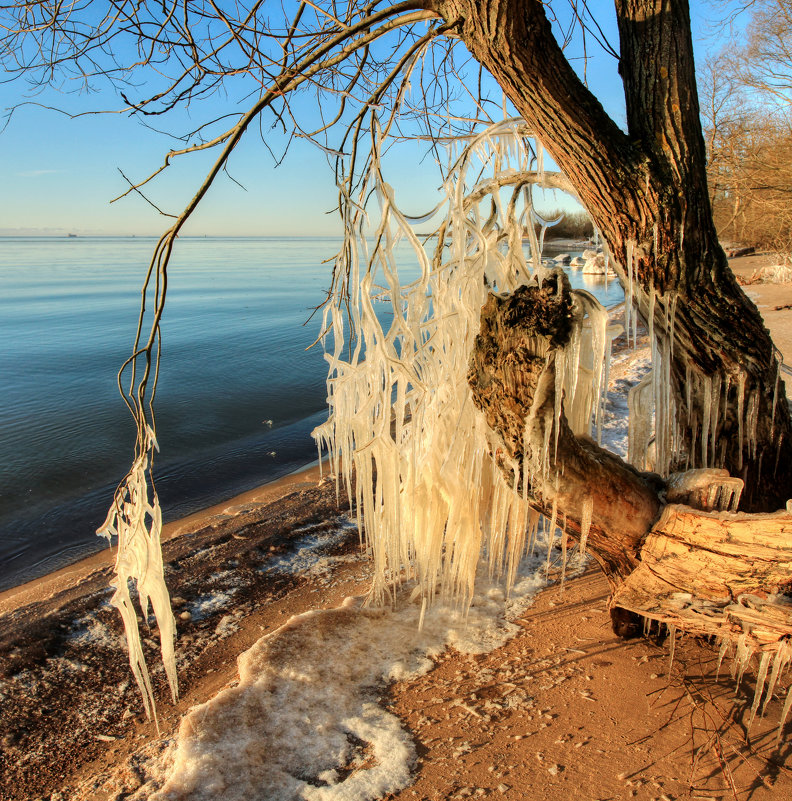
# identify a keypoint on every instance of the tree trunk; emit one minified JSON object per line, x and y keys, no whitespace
{"x":647,"y":193}
{"x":716,"y":575}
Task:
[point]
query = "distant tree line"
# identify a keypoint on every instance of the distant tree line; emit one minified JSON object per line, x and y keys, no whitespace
{"x":746,"y":107}
{"x":573,"y":225}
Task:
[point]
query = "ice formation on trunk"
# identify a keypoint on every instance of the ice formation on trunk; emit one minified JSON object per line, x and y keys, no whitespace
{"x":640,"y":402}
{"x":430,"y":496}
{"x":706,"y":488}
{"x":708,"y":406}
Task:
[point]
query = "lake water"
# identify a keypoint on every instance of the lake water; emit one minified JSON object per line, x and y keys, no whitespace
{"x":234,"y":358}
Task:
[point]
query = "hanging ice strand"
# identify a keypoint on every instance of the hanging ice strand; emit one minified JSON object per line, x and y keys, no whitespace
{"x":430,"y":497}
{"x":135,"y":518}
{"x":628,"y":301}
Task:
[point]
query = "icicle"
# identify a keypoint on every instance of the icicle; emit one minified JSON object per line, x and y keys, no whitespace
{"x":724,"y":647}
{"x":564,"y":542}
{"x":544,"y":463}
{"x":741,"y":659}
{"x":740,"y":416}
{"x":681,"y":238}
{"x":672,"y":634}
{"x":573,"y":361}
{"x":760,"y":683}
{"x":611,"y":333}
{"x":784,"y":715}
{"x":422,"y":615}
{"x":628,"y":301}
{"x":559,"y":389}
{"x":706,"y":397}
{"x":655,"y":242}
{"x":779,"y":361}
{"x":550,"y":535}
{"x":671,"y":307}
{"x":782,"y":659}
{"x":586,"y":513}
{"x":663,"y":405}
{"x":715,"y":415}
{"x":533,"y":527}
{"x":595,"y":347}
{"x":640,"y":403}
{"x":751,"y":421}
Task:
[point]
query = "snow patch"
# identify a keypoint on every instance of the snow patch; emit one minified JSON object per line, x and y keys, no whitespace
{"x":627,"y":370}
{"x":206,"y":605}
{"x":227,"y":626}
{"x":772,"y":274}
{"x":309,"y":555}
{"x":304,"y":721}
{"x":90,"y":632}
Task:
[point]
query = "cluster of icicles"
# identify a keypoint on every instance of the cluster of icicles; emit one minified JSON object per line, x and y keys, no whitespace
{"x":655,"y":438}
{"x":429,"y":495}
{"x":772,"y":665}
{"x":135,"y":519}
{"x":403,"y":433}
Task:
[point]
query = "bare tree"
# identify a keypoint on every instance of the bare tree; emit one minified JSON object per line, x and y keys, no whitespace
{"x":764,"y":62}
{"x":720,"y":402}
{"x":746,"y":113}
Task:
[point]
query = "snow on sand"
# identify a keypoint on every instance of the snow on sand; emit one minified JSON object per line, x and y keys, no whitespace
{"x":304,"y":721}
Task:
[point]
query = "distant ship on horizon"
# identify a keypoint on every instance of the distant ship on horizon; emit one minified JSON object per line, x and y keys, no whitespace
{"x":71,"y":236}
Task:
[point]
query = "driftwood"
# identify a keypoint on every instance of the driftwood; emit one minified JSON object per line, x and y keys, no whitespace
{"x":722,"y":574}
{"x":715,"y":573}
{"x":512,"y":377}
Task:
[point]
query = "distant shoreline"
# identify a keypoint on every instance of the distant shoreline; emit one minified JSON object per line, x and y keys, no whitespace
{"x":60,"y":236}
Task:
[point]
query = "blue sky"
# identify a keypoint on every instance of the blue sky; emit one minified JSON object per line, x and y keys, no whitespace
{"x":59,"y":174}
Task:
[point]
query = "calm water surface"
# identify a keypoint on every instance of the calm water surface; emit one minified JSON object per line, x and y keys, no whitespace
{"x":234,"y":358}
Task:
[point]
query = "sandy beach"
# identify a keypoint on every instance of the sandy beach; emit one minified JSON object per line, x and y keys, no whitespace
{"x":562,"y":709}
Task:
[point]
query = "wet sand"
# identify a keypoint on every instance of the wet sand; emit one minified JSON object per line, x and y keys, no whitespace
{"x":62,"y":583}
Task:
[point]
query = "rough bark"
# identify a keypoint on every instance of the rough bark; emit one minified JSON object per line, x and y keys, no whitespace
{"x":648,"y":187}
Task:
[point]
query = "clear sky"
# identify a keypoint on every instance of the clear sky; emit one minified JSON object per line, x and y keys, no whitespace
{"x":57,"y":174}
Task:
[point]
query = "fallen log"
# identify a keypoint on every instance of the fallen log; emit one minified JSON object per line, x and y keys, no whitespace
{"x":713,"y":573}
